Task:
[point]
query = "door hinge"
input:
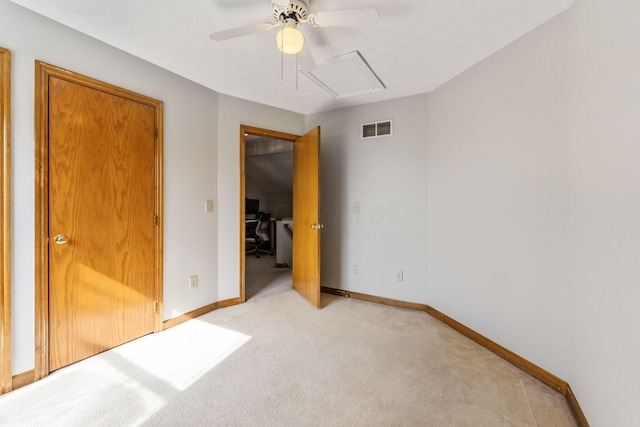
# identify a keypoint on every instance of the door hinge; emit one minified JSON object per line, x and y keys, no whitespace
{"x":155,"y":220}
{"x":155,"y":306}
{"x":155,"y":133}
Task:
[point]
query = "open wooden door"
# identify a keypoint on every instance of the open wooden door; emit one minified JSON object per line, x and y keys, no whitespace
{"x":306,"y":216}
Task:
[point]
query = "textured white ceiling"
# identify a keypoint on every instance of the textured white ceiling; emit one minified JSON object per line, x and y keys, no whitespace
{"x":416,"y":45}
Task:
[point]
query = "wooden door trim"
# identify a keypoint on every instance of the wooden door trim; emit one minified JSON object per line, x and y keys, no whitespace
{"x":250,"y":130}
{"x":5,"y":220}
{"x":43,"y":72}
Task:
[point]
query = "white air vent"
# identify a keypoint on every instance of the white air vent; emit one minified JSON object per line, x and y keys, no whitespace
{"x":376,"y":129}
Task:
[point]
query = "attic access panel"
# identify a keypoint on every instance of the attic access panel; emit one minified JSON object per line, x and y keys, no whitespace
{"x":345,"y":75}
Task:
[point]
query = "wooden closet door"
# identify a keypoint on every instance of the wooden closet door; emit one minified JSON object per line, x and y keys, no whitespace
{"x":101,"y":221}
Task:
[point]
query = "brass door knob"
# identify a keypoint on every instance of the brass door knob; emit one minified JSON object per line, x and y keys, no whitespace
{"x":317,"y":226}
{"x":61,"y":239}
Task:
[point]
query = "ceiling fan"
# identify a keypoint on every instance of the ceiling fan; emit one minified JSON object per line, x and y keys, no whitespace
{"x":288,"y":14}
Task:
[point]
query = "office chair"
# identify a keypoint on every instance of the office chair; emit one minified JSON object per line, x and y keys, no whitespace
{"x":259,"y":239}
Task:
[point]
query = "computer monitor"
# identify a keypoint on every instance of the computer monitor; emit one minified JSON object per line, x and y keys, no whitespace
{"x":251,"y":208}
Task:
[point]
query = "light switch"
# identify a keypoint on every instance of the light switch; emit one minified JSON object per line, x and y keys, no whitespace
{"x":208,"y":206}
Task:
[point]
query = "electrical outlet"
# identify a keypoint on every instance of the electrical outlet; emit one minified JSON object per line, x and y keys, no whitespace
{"x":399,"y":275}
{"x":193,"y":282}
{"x":208,"y":206}
{"x":356,"y":269}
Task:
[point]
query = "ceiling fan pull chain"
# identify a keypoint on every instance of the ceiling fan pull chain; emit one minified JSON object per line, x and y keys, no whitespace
{"x":282,"y":58}
{"x":296,"y":71}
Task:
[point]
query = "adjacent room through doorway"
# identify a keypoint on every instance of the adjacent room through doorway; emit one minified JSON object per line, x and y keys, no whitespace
{"x":268,"y":221}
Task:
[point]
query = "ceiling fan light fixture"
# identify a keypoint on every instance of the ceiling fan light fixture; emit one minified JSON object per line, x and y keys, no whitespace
{"x":290,"y":40}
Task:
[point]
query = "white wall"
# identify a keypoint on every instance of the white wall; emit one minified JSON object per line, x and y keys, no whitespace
{"x":387,"y":177}
{"x":191,"y":240}
{"x":497,"y":188}
{"x":604,"y":152}
{"x":232,"y":113}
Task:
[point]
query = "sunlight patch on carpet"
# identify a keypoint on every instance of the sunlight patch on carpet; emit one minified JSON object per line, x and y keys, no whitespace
{"x":94,"y":385}
{"x":184,"y":353}
{"x":125,"y":385}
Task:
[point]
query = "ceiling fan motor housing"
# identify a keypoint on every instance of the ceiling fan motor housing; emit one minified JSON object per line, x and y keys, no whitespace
{"x":297,"y":10}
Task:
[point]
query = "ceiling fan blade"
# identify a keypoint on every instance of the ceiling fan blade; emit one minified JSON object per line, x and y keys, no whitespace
{"x":242,"y":31}
{"x":344,"y":18}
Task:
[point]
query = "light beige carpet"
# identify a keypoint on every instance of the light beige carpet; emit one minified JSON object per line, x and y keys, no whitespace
{"x":277,"y":361}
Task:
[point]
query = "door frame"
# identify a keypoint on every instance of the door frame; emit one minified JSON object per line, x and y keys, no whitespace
{"x":5,"y":220}
{"x":43,"y":72}
{"x":245,"y":131}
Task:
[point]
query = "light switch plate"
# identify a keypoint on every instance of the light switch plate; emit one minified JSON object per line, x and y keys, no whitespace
{"x":193,"y":282}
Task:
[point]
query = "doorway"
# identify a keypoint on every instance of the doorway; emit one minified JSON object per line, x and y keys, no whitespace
{"x":306,"y":208}
{"x":98,"y":217}
{"x":268,"y":215}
